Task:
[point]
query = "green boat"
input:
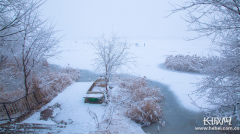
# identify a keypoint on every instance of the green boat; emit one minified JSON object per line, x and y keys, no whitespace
{"x":95,"y":93}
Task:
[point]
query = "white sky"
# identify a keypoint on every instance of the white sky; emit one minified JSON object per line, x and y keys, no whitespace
{"x":134,"y":19}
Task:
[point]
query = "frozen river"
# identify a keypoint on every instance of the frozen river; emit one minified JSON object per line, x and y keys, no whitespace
{"x":179,"y":120}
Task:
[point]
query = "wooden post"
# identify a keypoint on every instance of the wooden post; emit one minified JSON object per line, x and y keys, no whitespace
{"x":7,"y":111}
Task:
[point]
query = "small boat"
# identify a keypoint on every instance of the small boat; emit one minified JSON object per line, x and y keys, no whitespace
{"x":95,"y":93}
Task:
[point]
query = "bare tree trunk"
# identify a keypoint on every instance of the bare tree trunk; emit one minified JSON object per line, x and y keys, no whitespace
{"x":106,"y":82}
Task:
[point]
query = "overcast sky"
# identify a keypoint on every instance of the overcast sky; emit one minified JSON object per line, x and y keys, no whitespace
{"x":134,"y":19}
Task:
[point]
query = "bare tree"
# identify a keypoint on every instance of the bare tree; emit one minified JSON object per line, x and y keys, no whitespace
{"x":220,"y":20}
{"x":34,"y":44}
{"x":112,"y":55}
{"x":12,"y":13}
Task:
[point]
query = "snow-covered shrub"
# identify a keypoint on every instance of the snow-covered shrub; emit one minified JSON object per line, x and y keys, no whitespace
{"x":189,"y":63}
{"x":132,"y":83}
{"x":185,"y":63}
{"x":146,"y":111}
{"x":140,"y":102}
{"x":48,"y":80}
{"x":72,"y":73}
{"x":52,"y":82}
{"x":142,"y":93}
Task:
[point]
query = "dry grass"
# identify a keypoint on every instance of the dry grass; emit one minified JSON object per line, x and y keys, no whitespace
{"x":101,"y":84}
{"x":132,"y":83}
{"x":55,"y":80}
{"x":7,"y":96}
{"x":140,"y":94}
{"x":48,"y":81}
{"x":142,"y":103}
{"x":185,"y":63}
{"x":145,"y":112}
{"x":51,"y":82}
{"x":189,"y":63}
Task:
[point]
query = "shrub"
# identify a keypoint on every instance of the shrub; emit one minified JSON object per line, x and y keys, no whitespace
{"x":140,"y":94}
{"x":52,"y":82}
{"x":145,"y":112}
{"x":189,"y":63}
{"x":132,"y":83}
{"x":140,"y":102}
{"x":49,"y":81}
{"x":185,"y":63}
{"x":11,"y":95}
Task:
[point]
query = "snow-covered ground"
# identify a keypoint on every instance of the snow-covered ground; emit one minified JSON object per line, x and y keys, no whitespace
{"x":151,"y":58}
{"x":74,"y":112}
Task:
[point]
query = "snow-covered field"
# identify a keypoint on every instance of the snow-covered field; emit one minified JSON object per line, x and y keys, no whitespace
{"x":150,"y":58}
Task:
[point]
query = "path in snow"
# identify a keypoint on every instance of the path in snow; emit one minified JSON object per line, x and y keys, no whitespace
{"x":72,"y":108}
{"x":74,"y":111}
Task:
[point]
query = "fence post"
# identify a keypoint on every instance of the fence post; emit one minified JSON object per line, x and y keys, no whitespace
{"x":7,"y":111}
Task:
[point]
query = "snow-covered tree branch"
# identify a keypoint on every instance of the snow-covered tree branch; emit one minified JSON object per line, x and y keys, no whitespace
{"x":25,"y":42}
{"x":112,"y":55}
{"x":220,"y":20}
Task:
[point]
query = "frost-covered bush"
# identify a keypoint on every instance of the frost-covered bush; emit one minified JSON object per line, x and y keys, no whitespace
{"x":189,"y":63}
{"x":54,"y":81}
{"x":185,"y":63}
{"x":146,"y":111}
{"x":132,"y":83}
{"x":48,"y":80}
{"x":58,"y":80}
{"x":142,"y":93}
{"x":139,"y":101}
